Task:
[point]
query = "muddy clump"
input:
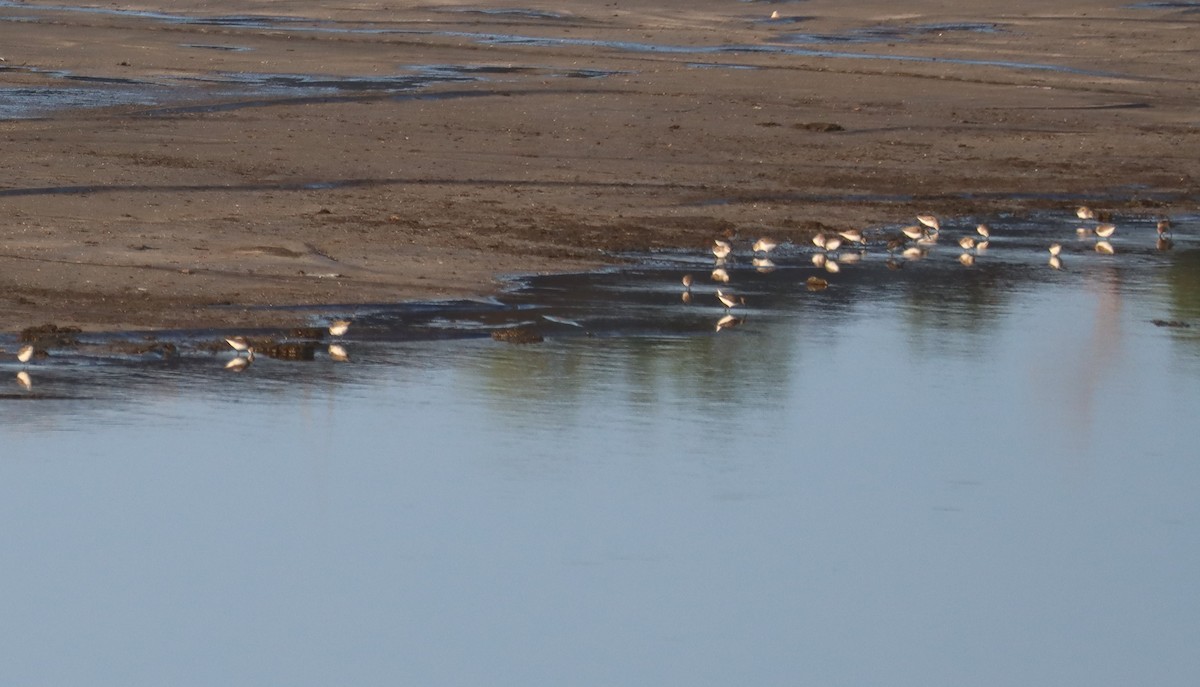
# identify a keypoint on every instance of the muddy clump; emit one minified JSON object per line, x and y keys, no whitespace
{"x":517,"y":335}
{"x":50,"y":336}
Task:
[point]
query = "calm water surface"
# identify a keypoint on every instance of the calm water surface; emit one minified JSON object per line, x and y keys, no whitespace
{"x":937,"y":475}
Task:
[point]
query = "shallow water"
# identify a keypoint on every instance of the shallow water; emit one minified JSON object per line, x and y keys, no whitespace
{"x":932,"y":475}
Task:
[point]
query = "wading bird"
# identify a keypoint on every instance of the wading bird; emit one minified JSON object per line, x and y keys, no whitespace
{"x":764,"y":245}
{"x":729,"y":300}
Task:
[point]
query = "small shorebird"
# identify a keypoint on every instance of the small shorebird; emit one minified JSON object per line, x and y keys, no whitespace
{"x":1055,"y":249}
{"x":721,"y":248}
{"x":764,"y":245}
{"x":914,"y":232}
{"x":818,"y":259}
{"x":930,"y":221}
{"x":819,"y":240}
{"x":1105,"y":230}
{"x":966,"y":243}
{"x":238,"y":343}
{"x":338,"y":327}
{"x":687,"y":282}
{"x":24,"y":380}
{"x":852,"y":235}
{"x":729,"y":300}
{"x":1084,"y":212}
{"x":338,"y":353}
{"x":720,"y":275}
{"x":984,"y":230}
{"x":1163,"y":228}
{"x":25,"y":354}
{"x":1104,"y":247}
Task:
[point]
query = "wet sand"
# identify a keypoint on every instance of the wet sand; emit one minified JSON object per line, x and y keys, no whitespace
{"x":175,"y":170}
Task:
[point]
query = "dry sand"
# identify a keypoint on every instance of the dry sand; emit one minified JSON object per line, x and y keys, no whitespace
{"x":554,"y":154}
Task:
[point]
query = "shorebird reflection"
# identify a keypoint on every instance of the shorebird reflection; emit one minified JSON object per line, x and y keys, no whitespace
{"x":24,"y":380}
{"x":729,"y":322}
{"x":338,"y":352}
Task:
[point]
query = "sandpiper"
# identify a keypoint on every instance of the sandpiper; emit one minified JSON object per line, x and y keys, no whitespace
{"x":25,"y":354}
{"x":338,"y":327}
{"x":1163,"y":228}
{"x":930,"y":221}
{"x":687,"y":282}
{"x":852,"y":235}
{"x":764,"y":245}
{"x":721,"y":248}
{"x":966,"y":243}
{"x":1055,"y":249}
{"x":238,"y":343}
{"x":984,"y":230}
{"x":913,"y":232}
{"x":729,"y":300}
{"x":1105,"y":230}
{"x":819,"y":240}
{"x":1084,"y":212}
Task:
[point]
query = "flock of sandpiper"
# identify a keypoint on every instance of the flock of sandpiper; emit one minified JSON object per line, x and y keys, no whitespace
{"x":911,"y":243}
{"x":240,"y":345}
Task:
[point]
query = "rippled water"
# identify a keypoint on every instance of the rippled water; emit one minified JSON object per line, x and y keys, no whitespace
{"x":932,"y":475}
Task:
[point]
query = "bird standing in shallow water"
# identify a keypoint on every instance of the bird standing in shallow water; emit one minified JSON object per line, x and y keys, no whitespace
{"x":25,"y":354}
{"x":729,"y":300}
{"x":238,"y":343}
{"x":339,"y":327}
{"x":1084,"y":212}
{"x":721,"y":249}
{"x":764,"y":245}
{"x":930,"y":221}
{"x":852,"y":235}
{"x":984,"y":230}
{"x":687,"y":282}
{"x":1055,"y":249}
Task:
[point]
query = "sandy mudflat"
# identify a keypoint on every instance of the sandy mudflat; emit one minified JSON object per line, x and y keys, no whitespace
{"x":165,"y":163}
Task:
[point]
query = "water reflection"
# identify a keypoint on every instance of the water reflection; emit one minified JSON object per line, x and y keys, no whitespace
{"x":930,"y":475}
